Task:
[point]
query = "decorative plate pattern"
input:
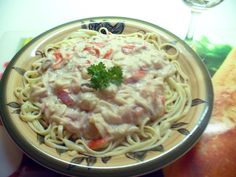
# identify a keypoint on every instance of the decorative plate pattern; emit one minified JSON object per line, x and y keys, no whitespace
{"x":185,"y":134}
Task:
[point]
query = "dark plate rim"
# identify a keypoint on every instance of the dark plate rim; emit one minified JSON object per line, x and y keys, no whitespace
{"x":137,"y":169}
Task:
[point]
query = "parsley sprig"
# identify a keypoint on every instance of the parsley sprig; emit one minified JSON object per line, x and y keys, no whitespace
{"x":101,"y":77}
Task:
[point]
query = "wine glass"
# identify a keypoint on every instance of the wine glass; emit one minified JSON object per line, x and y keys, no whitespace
{"x":197,"y":7}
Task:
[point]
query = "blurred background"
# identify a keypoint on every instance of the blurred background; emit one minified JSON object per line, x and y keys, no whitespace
{"x":24,"y":18}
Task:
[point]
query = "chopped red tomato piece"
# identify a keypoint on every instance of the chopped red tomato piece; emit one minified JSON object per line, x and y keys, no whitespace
{"x":92,"y":50}
{"x":58,"y":64}
{"x":137,"y":75}
{"x":64,"y":97}
{"x":99,"y":44}
{"x":129,"y":48}
{"x":57,"y":54}
{"x":98,"y":143}
{"x":108,"y":54}
{"x":58,"y":58}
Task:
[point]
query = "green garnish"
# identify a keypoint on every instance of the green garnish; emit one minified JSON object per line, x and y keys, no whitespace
{"x":101,"y":77}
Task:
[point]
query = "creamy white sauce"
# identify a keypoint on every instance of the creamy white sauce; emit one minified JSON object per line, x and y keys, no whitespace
{"x":117,"y":110}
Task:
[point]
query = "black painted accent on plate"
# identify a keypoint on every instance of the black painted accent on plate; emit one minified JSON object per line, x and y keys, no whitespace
{"x":90,"y":160}
{"x":61,"y":151}
{"x":158,"y":148}
{"x":117,"y":28}
{"x":106,"y":159}
{"x":14,"y":105}
{"x":183,"y":131}
{"x":21,"y":71}
{"x":40,"y":53}
{"x":197,"y":101}
{"x":95,"y":26}
{"x":40,"y":139}
{"x":139,"y":156}
{"x":84,"y":26}
{"x":76,"y":160}
{"x":178,"y":124}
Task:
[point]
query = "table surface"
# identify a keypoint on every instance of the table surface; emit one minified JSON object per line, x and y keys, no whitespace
{"x":26,"y":18}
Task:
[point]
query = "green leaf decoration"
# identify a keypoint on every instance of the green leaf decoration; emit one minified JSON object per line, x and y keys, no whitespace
{"x":158,"y":148}
{"x":40,"y":139}
{"x":101,"y":77}
{"x":106,"y":159}
{"x":21,"y":71}
{"x":90,"y":160}
{"x":197,"y":101}
{"x":178,"y":124}
{"x":139,"y":156}
{"x":14,"y":105}
{"x":60,"y":151}
{"x":183,"y":131}
{"x":76,"y":160}
{"x":40,"y":53}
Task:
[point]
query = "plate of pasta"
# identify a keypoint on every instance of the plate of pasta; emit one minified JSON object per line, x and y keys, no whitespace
{"x":106,"y":96}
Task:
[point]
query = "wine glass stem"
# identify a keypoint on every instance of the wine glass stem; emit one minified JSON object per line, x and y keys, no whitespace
{"x":192,"y":25}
